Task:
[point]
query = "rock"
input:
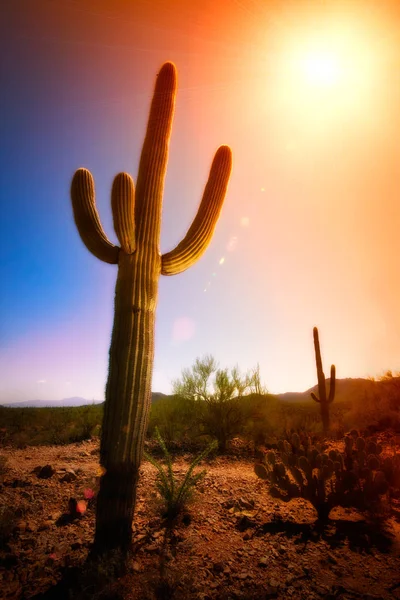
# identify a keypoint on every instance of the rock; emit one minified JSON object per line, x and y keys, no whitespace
{"x":186,"y":519}
{"x":290,"y":591}
{"x":45,"y":525}
{"x":45,"y":472}
{"x":69,"y":476}
{"x":136,"y":567}
{"x":332,"y":559}
{"x":245,"y":523}
{"x":271,"y":592}
{"x":249,"y":505}
{"x":54,"y":516}
{"x":244,"y":575}
{"x":20,"y":527}
{"x":9,"y":560}
{"x":214,"y":585}
{"x":263,"y":562}
{"x":19,"y":483}
{"x":218,"y":567}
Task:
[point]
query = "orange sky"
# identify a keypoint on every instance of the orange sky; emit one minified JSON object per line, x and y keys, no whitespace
{"x":316,"y":176}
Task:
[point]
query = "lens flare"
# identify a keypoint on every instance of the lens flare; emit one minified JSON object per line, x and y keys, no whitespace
{"x":183,"y":329}
{"x":231,"y":245}
{"x":81,"y":507}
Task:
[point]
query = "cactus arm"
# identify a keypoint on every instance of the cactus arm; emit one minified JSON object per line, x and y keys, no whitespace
{"x":199,"y":235}
{"x":332,"y":384}
{"x":314,"y":397}
{"x":122,"y":203}
{"x":87,"y":219}
{"x":153,"y":160}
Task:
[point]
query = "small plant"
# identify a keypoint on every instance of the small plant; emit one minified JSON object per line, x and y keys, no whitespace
{"x":174,"y":495}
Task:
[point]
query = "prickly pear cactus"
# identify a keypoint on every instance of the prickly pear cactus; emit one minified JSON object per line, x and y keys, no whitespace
{"x":352,"y":478}
{"x":137,"y":223}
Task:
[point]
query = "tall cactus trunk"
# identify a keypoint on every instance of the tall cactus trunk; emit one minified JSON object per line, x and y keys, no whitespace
{"x":128,"y":396}
{"x":137,"y":222}
{"x":325,"y":417}
{"x":323,"y":399}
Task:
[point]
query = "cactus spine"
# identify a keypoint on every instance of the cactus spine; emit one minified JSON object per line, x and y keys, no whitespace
{"x":323,"y":400}
{"x":137,"y":221}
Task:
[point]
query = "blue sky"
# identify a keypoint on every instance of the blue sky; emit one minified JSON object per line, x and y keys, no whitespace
{"x":308,"y":232}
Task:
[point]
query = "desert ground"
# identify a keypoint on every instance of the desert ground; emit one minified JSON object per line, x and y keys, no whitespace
{"x":234,"y":542}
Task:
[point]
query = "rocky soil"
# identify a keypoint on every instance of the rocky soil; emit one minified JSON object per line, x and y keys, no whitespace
{"x":236,"y":542}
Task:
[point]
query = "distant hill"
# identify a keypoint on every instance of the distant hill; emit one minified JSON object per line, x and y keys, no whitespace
{"x":346,"y":389}
{"x":74,"y":401}
{"x":156,"y":396}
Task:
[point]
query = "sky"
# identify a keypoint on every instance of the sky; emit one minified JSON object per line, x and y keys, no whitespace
{"x":305,"y":93}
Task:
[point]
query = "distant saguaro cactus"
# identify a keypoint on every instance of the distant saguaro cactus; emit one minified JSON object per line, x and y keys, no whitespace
{"x":323,"y":400}
{"x":137,"y":222}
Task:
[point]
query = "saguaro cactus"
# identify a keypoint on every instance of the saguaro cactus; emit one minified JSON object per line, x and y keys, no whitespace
{"x":137,"y":221}
{"x":323,"y":400}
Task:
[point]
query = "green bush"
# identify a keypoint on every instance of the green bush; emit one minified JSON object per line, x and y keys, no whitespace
{"x":175,"y":418}
{"x":23,"y":427}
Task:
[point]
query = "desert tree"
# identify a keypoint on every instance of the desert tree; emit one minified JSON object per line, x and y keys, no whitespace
{"x":217,"y":394}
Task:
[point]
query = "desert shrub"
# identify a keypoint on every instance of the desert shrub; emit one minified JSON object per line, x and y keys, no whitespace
{"x":175,"y":495}
{"x":221,"y":420}
{"x":375,"y":410}
{"x":305,"y":416}
{"x":175,"y":419}
{"x":48,"y":426}
{"x":85,"y":421}
{"x":262,"y":417}
{"x":378,"y":407}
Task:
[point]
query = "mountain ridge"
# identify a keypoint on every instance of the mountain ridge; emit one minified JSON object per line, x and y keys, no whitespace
{"x":345,"y":389}
{"x":74,"y":401}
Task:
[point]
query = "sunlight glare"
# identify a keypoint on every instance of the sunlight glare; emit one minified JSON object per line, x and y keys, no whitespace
{"x":321,"y":68}
{"x":323,"y":73}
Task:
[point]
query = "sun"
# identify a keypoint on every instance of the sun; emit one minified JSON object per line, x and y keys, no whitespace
{"x":321,"y":68}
